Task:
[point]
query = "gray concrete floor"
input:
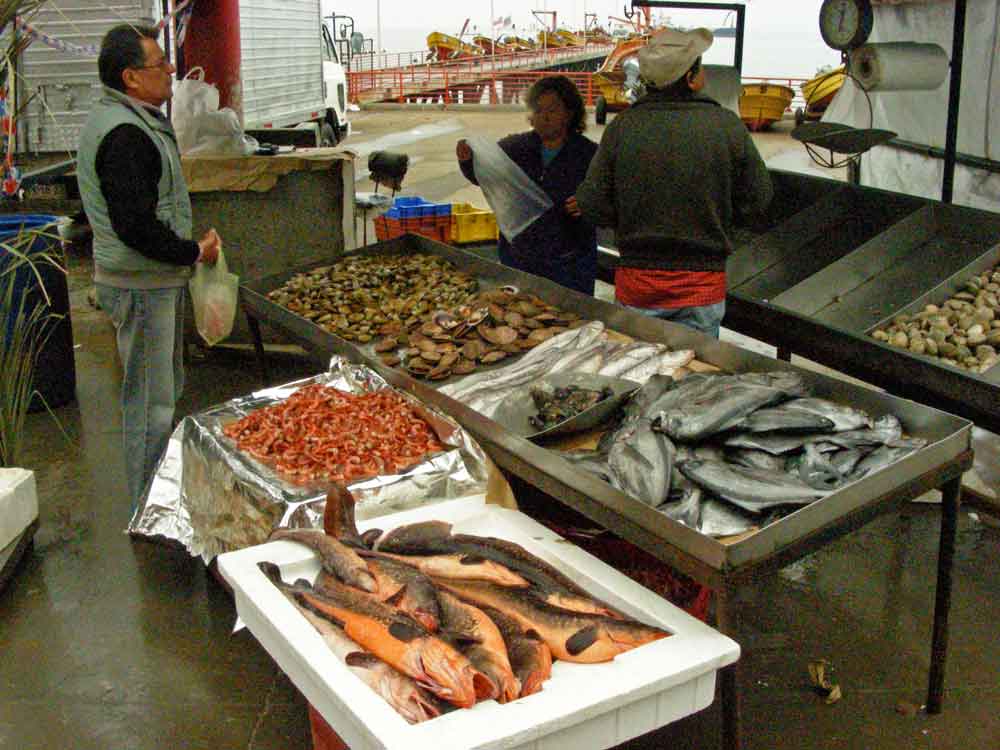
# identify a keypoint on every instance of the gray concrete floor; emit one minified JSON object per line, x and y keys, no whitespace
{"x":109,"y":642}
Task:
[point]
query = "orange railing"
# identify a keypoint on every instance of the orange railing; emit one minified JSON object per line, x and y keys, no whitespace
{"x":398,"y":83}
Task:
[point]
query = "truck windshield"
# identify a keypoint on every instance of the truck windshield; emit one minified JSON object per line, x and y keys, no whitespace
{"x":329,"y":50}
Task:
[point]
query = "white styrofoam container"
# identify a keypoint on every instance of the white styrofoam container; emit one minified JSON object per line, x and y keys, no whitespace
{"x":18,"y":503}
{"x":582,"y":707}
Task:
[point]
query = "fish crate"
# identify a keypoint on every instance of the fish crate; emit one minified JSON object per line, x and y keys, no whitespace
{"x":471,"y":224}
{"x":582,"y":706}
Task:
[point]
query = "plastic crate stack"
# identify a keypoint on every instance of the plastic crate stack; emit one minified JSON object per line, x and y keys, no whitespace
{"x":412,"y":214}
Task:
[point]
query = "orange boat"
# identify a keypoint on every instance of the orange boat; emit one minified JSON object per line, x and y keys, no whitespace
{"x":491,"y":46}
{"x":447,"y":47}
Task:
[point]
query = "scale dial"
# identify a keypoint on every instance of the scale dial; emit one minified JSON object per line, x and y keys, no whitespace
{"x":845,"y":24}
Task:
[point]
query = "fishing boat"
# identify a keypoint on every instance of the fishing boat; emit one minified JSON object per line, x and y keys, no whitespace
{"x":550,"y":40}
{"x":491,"y":46}
{"x":447,"y":47}
{"x":610,"y":78}
{"x":818,"y":93}
{"x":762,"y":104}
{"x":571,"y":38}
{"x":519,"y":44}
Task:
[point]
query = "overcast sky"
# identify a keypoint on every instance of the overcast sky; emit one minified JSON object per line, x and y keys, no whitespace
{"x":782,"y":36}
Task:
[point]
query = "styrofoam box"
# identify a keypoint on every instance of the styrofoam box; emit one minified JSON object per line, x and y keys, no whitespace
{"x":18,"y":503}
{"x":582,"y":707}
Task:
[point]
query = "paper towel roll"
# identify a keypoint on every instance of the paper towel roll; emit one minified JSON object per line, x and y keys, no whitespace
{"x":899,"y":66}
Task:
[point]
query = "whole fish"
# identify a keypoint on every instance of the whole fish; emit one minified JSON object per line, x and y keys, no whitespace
{"x":770,"y":442}
{"x":484,"y":645}
{"x":571,"y":636}
{"x":845,"y":459}
{"x":595,"y":462}
{"x":716,"y":409}
{"x":719,"y":519}
{"x":549,"y":583}
{"x":754,"y":459}
{"x":334,"y":557}
{"x":885,"y":455}
{"x":684,"y":502}
{"x":884,"y":430}
{"x":626,"y":357}
{"x":406,"y":588}
{"x":636,"y":407}
{"x":461,"y":565}
{"x":398,"y":640}
{"x":409,"y":700}
{"x":751,"y":489}
{"x":641,"y":462}
{"x":529,"y":657}
{"x":784,"y":420}
{"x":665,"y":363}
{"x":843,"y":417}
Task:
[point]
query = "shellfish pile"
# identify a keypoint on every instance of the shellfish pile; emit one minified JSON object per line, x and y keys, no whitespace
{"x":485,"y":329}
{"x":963,"y":332}
{"x":355,"y":297}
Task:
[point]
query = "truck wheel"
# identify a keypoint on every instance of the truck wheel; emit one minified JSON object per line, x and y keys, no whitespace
{"x":327,"y":135}
{"x":601,"y":110}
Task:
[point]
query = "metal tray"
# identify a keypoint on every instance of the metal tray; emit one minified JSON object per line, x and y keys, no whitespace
{"x":515,"y":412}
{"x":948,"y":437}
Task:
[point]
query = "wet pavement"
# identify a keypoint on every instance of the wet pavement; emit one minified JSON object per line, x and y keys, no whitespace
{"x":109,"y":642}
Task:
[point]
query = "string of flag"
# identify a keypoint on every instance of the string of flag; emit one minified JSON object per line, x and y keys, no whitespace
{"x":91,"y":50}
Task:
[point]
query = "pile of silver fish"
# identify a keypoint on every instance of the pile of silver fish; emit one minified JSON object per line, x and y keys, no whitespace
{"x":586,"y":349}
{"x":430,"y":619}
{"x":727,"y":453}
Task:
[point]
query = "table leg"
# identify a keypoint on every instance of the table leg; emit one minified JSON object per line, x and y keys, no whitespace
{"x":729,"y":694}
{"x":784,"y":354}
{"x":951,"y":494}
{"x":258,"y":347}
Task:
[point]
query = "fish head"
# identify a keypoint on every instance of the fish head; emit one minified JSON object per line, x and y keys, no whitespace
{"x":449,"y":674}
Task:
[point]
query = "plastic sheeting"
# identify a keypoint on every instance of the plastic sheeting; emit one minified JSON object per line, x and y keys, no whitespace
{"x":515,"y":198}
{"x":921,"y":116}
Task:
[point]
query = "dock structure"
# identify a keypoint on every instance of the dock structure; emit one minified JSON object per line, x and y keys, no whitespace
{"x":489,"y":79}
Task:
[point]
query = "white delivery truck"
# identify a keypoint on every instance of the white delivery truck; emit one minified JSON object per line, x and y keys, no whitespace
{"x":288,"y":69}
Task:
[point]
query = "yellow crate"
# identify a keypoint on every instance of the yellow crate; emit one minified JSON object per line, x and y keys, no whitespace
{"x":471,"y":224}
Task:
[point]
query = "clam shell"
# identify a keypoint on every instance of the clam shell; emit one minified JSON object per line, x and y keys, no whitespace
{"x":431,"y":355}
{"x":474,"y":350}
{"x":500,"y":335}
{"x":494,"y":356}
{"x":463,"y":367}
{"x":386,"y":345}
{"x":390,"y":359}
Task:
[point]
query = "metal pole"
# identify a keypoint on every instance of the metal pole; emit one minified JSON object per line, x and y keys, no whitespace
{"x":378,"y":25}
{"x":951,"y":495}
{"x":954,"y":94}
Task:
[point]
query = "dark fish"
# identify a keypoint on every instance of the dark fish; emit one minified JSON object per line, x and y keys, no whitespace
{"x":641,"y":462}
{"x":751,"y":489}
{"x":529,"y":657}
{"x":843,"y":417}
{"x":517,"y":566}
{"x":395,"y":638}
{"x":403,"y":693}
{"x":754,"y":459}
{"x":484,"y":645}
{"x":781,"y":419}
{"x":571,"y":636}
{"x":406,"y":588}
{"x":334,"y":557}
{"x":338,"y":516}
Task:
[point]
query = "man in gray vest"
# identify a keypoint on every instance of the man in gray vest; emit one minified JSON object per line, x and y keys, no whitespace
{"x":133,"y":192}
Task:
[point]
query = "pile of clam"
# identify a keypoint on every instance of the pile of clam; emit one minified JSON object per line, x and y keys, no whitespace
{"x":964,"y":331}
{"x":486,"y":329}
{"x":355,"y":297}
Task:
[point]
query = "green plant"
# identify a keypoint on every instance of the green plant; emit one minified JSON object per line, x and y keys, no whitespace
{"x":25,"y":328}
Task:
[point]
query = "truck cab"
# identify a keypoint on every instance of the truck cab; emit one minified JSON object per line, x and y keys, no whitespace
{"x":336,"y":126}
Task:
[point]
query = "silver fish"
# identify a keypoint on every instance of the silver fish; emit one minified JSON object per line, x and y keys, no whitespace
{"x":596,"y":462}
{"x":885,"y":455}
{"x":786,"y":421}
{"x":664,"y":363}
{"x":719,"y":518}
{"x":774,"y":443}
{"x":843,"y":417}
{"x":716,"y":409}
{"x":752,"y":489}
{"x":641,"y":462}
{"x":816,"y":470}
{"x":846,"y":459}
{"x":754,"y":459}
{"x":884,"y":430}
{"x":629,"y":356}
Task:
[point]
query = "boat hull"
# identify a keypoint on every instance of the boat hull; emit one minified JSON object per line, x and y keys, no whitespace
{"x":762,"y":104}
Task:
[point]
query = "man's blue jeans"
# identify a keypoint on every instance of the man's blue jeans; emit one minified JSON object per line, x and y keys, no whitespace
{"x":705,"y":318}
{"x":150,"y":332}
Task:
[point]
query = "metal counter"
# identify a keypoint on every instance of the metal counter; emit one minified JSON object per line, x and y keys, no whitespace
{"x":721,"y":566}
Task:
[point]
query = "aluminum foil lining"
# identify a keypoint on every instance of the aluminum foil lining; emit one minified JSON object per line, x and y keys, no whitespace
{"x":212,"y":498}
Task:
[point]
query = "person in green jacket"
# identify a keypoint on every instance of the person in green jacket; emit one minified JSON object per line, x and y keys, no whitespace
{"x":671,"y":175}
{"x":134,"y":195}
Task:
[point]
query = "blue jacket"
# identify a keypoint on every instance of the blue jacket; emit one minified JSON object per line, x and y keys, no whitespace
{"x":557,"y":246}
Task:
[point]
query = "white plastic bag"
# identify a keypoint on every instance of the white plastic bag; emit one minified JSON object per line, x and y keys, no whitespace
{"x":220,"y":133}
{"x":192,"y":98}
{"x":214,"y":296}
{"x":515,"y":198}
